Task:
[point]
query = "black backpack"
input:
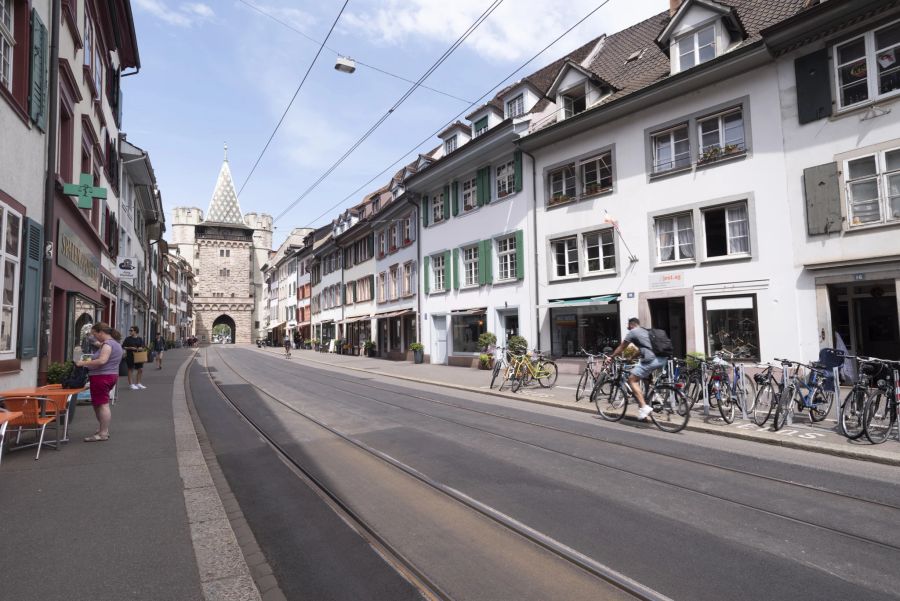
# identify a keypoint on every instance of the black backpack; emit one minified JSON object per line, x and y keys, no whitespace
{"x":660,"y":343}
{"x":77,"y":378}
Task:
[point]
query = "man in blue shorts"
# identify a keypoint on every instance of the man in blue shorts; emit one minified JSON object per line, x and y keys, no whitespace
{"x":649,"y":363}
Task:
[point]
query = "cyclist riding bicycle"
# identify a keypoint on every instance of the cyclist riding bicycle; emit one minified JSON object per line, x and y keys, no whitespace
{"x":642,"y":371}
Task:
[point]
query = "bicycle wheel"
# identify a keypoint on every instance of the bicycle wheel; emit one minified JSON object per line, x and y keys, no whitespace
{"x":693,"y":390}
{"x":765,"y":401}
{"x":853,"y":411}
{"x":783,"y":407}
{"x":821,"y":404}
{"x":671,"y":409}
{"x":603,"y":386}
{"x":747,"y":396}
{"x":547,"y":374}
{"x":880,"y":416}
{"x":726,"y":402}
{"x":610,"y":405}
{"x":498,"y":367}
{"x":581,"y":390}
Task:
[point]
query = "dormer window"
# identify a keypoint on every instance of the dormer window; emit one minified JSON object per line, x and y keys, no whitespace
{"x":450,"y":144}
{"x":515,"y":107}
{"x":697,"y":48}
{"x":574,"y":102}
{"x":479,"y":127}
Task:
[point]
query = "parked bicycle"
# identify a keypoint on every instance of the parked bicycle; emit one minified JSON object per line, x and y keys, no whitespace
{"x":882,"y":402}
{"x":768,"y":391}
{"x":501,"y":362}
{"x":816,"y":398}
{"x":590,"y":375}
{"x":853,"y":410}
{"x":526,"y":369}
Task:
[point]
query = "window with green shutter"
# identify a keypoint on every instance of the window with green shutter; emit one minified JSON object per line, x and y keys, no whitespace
{"x":486,"y":260}
{"x":426,"y":274}
{"x":517,"y":158}
{"x":454,"y":198}
{"x":455,"y":269}
{"x":426,"y":210}
{"x":445,"y":200}
{"x":37,"y":95}
{"x":484,"y":186}
{"x":520,"y":255}
{"x":30,"y":293}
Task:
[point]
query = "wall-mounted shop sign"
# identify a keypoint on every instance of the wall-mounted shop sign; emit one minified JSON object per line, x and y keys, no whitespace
{"x":666,"y":280}
{"x":107,"y":284}
{"x":74,"y":256}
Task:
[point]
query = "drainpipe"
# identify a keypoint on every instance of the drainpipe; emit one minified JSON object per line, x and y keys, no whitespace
{"x":50,"y":188}
{"x":418,"y":270}
{"x":537,"y":311}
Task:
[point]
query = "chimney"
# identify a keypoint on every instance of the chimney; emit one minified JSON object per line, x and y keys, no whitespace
{"x":673,"y":6}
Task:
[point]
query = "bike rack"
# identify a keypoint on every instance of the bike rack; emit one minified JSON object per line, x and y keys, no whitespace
{"x":836,"y":374}
{"x":738,"y":374}
{"x":705,"y":385}
{"x":897,"y":397}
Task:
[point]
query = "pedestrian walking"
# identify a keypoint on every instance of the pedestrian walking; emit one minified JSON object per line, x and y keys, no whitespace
{"x":134,"y":344}
{"x":103,"y":369}
{"x":287,"y":348}
{"x":159,"y":347}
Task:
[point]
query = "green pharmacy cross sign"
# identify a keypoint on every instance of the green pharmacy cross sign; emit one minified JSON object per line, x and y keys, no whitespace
{"x":85,"y":191}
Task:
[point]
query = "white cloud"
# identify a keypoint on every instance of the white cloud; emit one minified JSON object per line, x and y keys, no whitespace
{"x":514,"y":31}
{"x":184,"y":15}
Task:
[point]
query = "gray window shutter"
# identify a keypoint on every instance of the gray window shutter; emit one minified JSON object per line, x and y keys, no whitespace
{"x":823,"y":199}
{"x":37,"y":95}
{"x":426,"y":273}
{"x":517,"y":158}
{"x":30,"y":292}
{"x":425,"y":211}
{"x":813,"y":86}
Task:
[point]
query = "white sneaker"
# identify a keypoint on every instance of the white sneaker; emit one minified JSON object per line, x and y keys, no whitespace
{"x":644,"y":412}
{"x":141,"y":386}
{"x":134,"y":387}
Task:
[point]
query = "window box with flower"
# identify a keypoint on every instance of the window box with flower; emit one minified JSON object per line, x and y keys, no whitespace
{"x":717,"y":153}
{"x":559,"y":199}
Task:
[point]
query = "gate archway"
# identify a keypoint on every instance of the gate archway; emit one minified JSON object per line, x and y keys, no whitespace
{"x":224,"y":330}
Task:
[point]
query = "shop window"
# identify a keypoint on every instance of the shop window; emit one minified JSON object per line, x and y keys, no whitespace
{"x":731,"y":324}
{"x":674,"y":238}
{"x":466,"y":330}
{"x":600,"y":251}
{"x":727,"y":231}
{"x":592,"y":328}
{"x":565,"y":257}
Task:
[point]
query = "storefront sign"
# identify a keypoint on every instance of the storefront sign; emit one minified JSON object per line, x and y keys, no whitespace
{"x":128,"y":268}
{"x":107,"y":284}
{"x":666,"y":280}
{"x":74,"y":256}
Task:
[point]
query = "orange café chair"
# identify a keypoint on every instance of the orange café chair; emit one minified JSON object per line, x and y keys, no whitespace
{"x":31,"y":418}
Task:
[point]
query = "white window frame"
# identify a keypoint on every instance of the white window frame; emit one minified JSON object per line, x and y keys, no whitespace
{"x":516,"y":106}
{"x":437,"y":207}
{"x":599,"y":162}
{"x":382,"y":247}
{"x":470,"y":193}
{"x":667,"y":136}
{"x":438,"y":273}
{"x":15,"y":261}
{"x":394,"y":282}
{"x":882,"y":178}
{"x":506,"y":178}
{"x":870,"y":60}
{"x":450,"y":144}
{"x":506,"y":258}
{"x":408,"y":231}
{"x":570,"y":97}
{"x":723,"y":146}
{"x":382,"y":286}
{"x":7,"y":42}
{"x":694,"y":51}
{"x":570,"y":250}
{"x":470,"y":266}
{"x":605,"y":240}
{"x":478,"y":132}
{"x":560,"y":187}
{"x":730,"y":251}
{"x":407,"y":278}
{"x":677,"y":235}
{"x":393,"y":242}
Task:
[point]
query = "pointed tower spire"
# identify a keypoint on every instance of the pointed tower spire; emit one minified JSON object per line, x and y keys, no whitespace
{"x":224,"y":206}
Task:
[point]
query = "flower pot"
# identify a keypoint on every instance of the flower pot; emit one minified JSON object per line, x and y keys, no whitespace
{"x":419,"y":356}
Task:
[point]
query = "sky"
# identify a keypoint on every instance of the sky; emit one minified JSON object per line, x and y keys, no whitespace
{"x":224,"y":71}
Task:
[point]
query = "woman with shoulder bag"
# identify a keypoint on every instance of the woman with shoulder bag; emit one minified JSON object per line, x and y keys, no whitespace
{"x":134,"y":344}
{"x":103,"y":367}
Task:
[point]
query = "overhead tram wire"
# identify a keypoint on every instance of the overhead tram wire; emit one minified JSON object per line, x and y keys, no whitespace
{"x":466,"y":110}
{"x":294,"y":97}
{"x":339,"y":53}
{"x":481,"y":19}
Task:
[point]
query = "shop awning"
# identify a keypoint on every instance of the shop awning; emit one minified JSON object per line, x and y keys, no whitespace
{"x":604,"y":299}
{"x":355,"y":319}
{"x":469,"y":311}
{"x":394,"y":313}
{"x":273,"y":326}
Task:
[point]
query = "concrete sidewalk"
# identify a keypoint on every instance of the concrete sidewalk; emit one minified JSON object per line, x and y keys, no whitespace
{"x":129,"y":518}
{"x":821,"y":438}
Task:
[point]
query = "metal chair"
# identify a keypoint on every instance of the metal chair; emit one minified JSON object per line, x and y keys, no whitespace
{"x":34,"y":418}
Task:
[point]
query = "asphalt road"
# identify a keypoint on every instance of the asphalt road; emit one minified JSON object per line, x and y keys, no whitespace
{"x":691,"y":516}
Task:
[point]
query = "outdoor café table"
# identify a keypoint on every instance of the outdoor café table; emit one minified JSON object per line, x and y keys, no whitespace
{"x":47,"y":392}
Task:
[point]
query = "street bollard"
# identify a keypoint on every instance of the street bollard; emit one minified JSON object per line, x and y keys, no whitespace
{"x":742,"y":391}
{"x":705,"y":385}
{"x":836,"y":374}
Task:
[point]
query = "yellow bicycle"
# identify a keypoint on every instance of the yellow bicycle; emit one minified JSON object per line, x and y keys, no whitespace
{"x":523,"y":369}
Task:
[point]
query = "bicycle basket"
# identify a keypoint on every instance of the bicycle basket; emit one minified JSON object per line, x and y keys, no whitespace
{"x":831,"y":358}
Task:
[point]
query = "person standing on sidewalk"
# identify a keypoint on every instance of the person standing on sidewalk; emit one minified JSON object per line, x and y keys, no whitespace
{"x":159,"y":347}
{"x":132,"y":344}
{"x":287,"y":347}
{"x":103,"y":367}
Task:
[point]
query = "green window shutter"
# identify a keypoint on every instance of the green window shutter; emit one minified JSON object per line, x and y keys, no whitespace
{"x":354,"y":291}
{"x":344,"y":294}
{"x":30,"y":293}
{"x":425,"y":211}
{"x":446,"y":201}
{"x":454,"y":199}
{"x":486,"y":261}
{"x":371,"y":244}
{"x":484,"y":186}
{"x":455,"y":269}
{"x":449,"y":265}
{"x":517,"y":158}
{"x":481,"y":271}
{"x":520,"y":255}
{"x":426,"y":273}
{"x":37,"y":96}
{"x":372,"y":287}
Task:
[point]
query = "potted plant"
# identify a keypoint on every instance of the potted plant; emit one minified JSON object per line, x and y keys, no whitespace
{"x":315,"y":343}
{"x":407,"y":242}
{"x":418,"y":350}
{"x":484,"y":361}
{"x":517,"y":344}
{"x":710,"y":154}
{"x":486,"y":342}
{"x":57,"y":372}
{"x":369,"y":347}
